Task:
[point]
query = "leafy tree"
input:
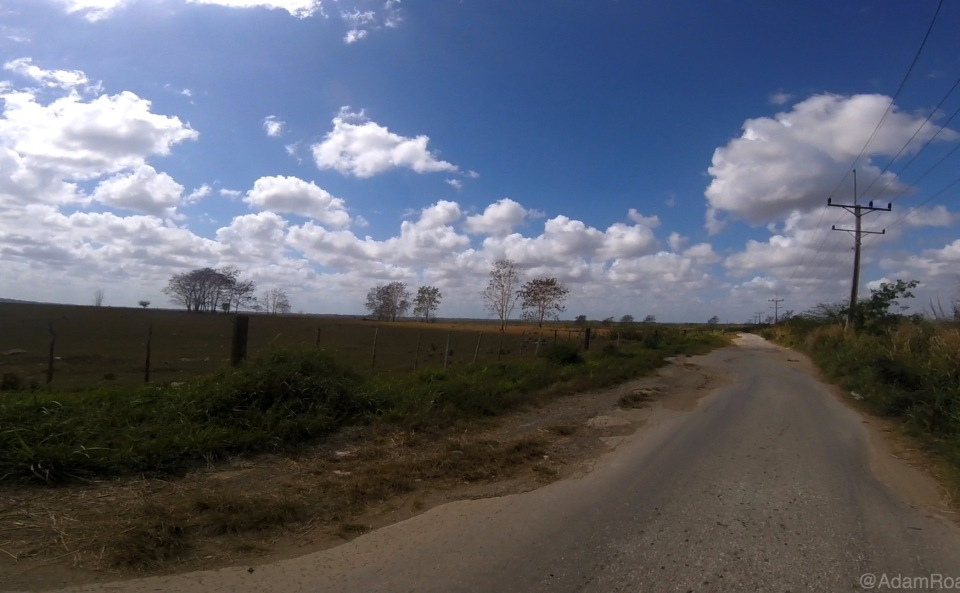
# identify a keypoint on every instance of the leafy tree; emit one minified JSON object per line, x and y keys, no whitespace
{"x":500,"y":295}
{"x":209,"y":289}
{"x":650,"y":319}
{"x":713,"y":320}
{"x":874,"y":313}
{"x":144,"y":303}
{"x":626,"y":320}
{"x":581,"y":320}
{"x":607,"y":321}
{"x":202,"y":289}
{"x":388,"y":302}
{"x":827,"y":313}
{"x":543,"y":298}
{"x":426,"y":302}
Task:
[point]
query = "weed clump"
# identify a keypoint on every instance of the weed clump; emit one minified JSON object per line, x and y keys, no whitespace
{"x":564,"y":354}
{"x":11,"y":382}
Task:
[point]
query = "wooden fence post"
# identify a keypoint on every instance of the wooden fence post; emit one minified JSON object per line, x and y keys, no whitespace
{"x":618,"y":339}
{"x":416,"y":357}
{"x":446,"y":351}
{"x":586,"y":339}
{"x":477,"y":350}
{"x":500,"y":347}
{"x":373,"y":361}
{"x":523,"y":338}
{"x":536,"y":351}
{"x":53,"y":342}
{"x":146,"y":364}
{"x":238,"y":346}
{"x":554,"y":336}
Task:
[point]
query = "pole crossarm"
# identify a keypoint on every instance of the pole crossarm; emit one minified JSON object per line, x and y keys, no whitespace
{"x":862,"y":232}
{"x":859,"y":208}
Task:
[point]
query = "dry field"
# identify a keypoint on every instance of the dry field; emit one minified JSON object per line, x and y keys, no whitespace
{"x":99,"y":346}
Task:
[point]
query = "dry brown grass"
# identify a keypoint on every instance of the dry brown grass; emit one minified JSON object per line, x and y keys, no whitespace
{"x":102,"y":346}
{"x":637,"y":398}
{"x":151,"y":524}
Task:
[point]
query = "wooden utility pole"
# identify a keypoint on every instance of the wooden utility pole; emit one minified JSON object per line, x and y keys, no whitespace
{"x":776,"y":308}
{"x":858,"y":212}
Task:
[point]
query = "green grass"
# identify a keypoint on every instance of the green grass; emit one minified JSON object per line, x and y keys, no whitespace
{"x":281,"y":400}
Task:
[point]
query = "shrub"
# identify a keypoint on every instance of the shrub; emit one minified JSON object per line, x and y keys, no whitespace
{"x":563,"y":354}
{"x":11,"y":382}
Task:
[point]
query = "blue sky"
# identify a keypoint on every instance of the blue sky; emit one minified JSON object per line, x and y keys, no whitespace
{"x":665,"y":158}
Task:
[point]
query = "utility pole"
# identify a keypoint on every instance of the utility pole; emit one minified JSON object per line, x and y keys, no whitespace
{"x":776,"y":308}
{"x":858,"y":211}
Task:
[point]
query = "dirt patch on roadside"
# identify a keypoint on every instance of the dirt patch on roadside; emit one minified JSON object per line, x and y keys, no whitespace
{"x":272,"y":507}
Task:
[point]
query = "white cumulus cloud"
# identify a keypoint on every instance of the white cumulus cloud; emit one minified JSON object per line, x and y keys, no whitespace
{"x":63,"y":79}
{"x":362,"y":148}
{"x":143,"y":190}
{"x":273,"y":126}
{"x":93,"y":10}
{"x":499,"y":218}
{"x":296,"y":196}
{"x":793,"y":160}
{"x":84,"y":139}
{"x":298,"y":8}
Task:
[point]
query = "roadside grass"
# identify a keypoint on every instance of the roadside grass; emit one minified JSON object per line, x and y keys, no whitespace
{"x":280,"y":401}
{"x":410,"y":431}
{"x":171,"y":529}
{"x":909,"y":372}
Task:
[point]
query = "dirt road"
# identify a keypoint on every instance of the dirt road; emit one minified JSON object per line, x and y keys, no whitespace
{"x":768,"y":483}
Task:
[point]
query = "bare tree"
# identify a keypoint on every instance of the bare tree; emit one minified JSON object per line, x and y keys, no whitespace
{"x":275,"y":302}
{"x":388,"y":302}
{"x":713,"y":320}
{"x":427,"y":301}
{"x":241,"y":294}
{"x":98,"y":295}
{"x":500,"y":295}
{"x":650,"y":319}
{"x":144,"y":303}
{"x":543,"y":298}
{"x":626,"y":320}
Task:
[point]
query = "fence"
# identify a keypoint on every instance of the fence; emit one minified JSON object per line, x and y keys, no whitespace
{"x":82,"y":347}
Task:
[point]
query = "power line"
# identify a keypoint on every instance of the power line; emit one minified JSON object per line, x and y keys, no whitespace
{"x":908,"y":142}
{"x":866,"y":144}
{"x":917,"y":154}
